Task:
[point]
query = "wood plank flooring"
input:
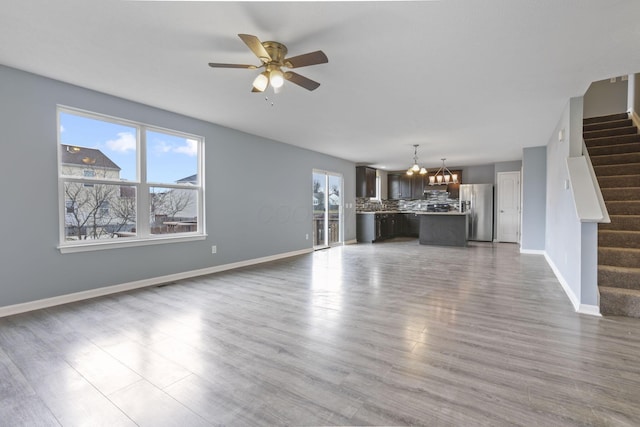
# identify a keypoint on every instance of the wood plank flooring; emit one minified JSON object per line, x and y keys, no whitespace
{"x":385,"y":334}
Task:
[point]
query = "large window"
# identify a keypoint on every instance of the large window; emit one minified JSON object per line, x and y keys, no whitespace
{"x":124,"y":183}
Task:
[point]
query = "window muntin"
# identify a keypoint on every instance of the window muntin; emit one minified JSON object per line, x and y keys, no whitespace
{"x":101,"y":163}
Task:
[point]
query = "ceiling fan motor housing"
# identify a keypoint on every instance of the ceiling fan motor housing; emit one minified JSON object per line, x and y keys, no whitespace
{"x":277,"y":52}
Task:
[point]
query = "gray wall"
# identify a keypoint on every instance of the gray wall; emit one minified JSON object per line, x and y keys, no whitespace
{"x":569,"y":244}
{"x":534,"y":194}
{"x":258,"y":196}
{"x":604,"y":97}
{"x":481,"y":174}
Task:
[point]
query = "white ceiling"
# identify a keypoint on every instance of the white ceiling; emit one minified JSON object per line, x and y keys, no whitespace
{"x":472,"y":81}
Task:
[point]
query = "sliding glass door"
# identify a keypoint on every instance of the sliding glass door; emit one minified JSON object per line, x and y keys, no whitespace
{"x":327,"y":209}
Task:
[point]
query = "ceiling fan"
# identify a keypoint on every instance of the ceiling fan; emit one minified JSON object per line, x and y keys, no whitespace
{"x":273,"y":57}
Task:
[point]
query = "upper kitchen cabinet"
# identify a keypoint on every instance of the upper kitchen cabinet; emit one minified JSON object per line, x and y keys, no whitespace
{"x":418,"y":185}
{"x":399,"y":186}
{"x":365,"y":181}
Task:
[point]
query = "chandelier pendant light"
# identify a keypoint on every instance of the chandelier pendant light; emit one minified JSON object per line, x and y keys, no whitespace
{"x":416,"y":168}
{"x":443,"y":176}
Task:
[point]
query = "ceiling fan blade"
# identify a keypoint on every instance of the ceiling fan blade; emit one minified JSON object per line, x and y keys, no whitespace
{"x":256,"y":46}
{"x":311,"y":58}
{"x":301,"y":80}
{"x":216,"y":65}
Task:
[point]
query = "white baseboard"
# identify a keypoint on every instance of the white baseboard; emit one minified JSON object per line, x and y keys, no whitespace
{"x":567,"y":289}
{"x":532,"y":251}
{"x":351,"y":242}
{"x":154,"y":281}
{"x":592,"y":310}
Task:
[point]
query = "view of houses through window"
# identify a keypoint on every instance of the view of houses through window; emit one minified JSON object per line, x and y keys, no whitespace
{"x":123,"y":180}
{"x":327,"y":213}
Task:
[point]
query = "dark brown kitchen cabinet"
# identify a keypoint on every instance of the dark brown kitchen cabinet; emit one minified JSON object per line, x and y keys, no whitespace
{"x":411,"y":224}
{"x":365,"y":181}
{"x":399,"y":186}
{"x":375,"y":227}
{"x":417,"y":186}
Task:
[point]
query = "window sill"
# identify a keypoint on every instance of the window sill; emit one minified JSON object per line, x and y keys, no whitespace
{"x":128,"y":243}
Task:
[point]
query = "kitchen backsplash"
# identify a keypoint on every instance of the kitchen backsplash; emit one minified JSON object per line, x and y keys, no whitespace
{"x":364,"y":204}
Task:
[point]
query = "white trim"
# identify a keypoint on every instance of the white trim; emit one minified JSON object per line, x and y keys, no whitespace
{"x":635,"y":119}
{"x":10,"y":310}
{"x":592,"y":310}
{"x":532,"y":251}
{"x":583,"y":184}
{"x":126,"y":242}
{"x":567,"y":289}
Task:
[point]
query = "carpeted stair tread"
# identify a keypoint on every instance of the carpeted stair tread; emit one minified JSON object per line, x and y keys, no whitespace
{"x":625,"y":169}
{"x":619,"y":302}
{"x":614,"y":148}
{"x":621,"y":257}
{"x":607,"y":125}
{"x":623,"y":207}
{"x":619,"y":239}
{"x":615,"y":159}
{"x":627,"y":130}
{"x":613,"y":181}
{"x":620,"y":193}
{"x":622,"y":222}
{"x":607,"y":118}
{"x":619,"y":277}
{"x":612,"y":140}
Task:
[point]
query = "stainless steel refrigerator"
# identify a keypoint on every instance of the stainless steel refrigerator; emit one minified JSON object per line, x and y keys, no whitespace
{"x":477,"y":199}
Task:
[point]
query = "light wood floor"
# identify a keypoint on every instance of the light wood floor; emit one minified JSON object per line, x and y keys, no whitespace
{"x":384,"y":334}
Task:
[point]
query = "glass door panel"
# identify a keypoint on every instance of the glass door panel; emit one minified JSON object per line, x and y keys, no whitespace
{"x":319,"y":210}
{"x":334,"y":198}
{"x":327,"y":209}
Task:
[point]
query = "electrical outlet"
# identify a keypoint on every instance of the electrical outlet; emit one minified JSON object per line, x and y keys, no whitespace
{"x":306,"y":236}
{"x":214,"y":249}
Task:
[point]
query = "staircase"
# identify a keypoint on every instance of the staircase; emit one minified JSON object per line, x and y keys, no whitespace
{"x":613,"y":143}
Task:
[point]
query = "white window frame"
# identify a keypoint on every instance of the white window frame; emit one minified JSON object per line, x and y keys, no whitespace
{"x":143,"y":231}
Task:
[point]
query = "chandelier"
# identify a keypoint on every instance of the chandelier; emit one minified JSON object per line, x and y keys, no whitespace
{"x":415,"y":168}
{"x":443,"y":176}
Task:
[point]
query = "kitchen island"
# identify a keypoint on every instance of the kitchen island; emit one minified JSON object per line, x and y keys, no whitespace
{"x":443,"y":228}
{"x":431,"y":228}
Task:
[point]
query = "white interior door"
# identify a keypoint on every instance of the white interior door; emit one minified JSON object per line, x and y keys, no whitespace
{"x":508,"y":207}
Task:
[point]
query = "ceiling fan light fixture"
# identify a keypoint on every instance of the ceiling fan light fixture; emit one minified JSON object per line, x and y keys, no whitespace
{"x":261,"y":82}
{"x":276,"y":78}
